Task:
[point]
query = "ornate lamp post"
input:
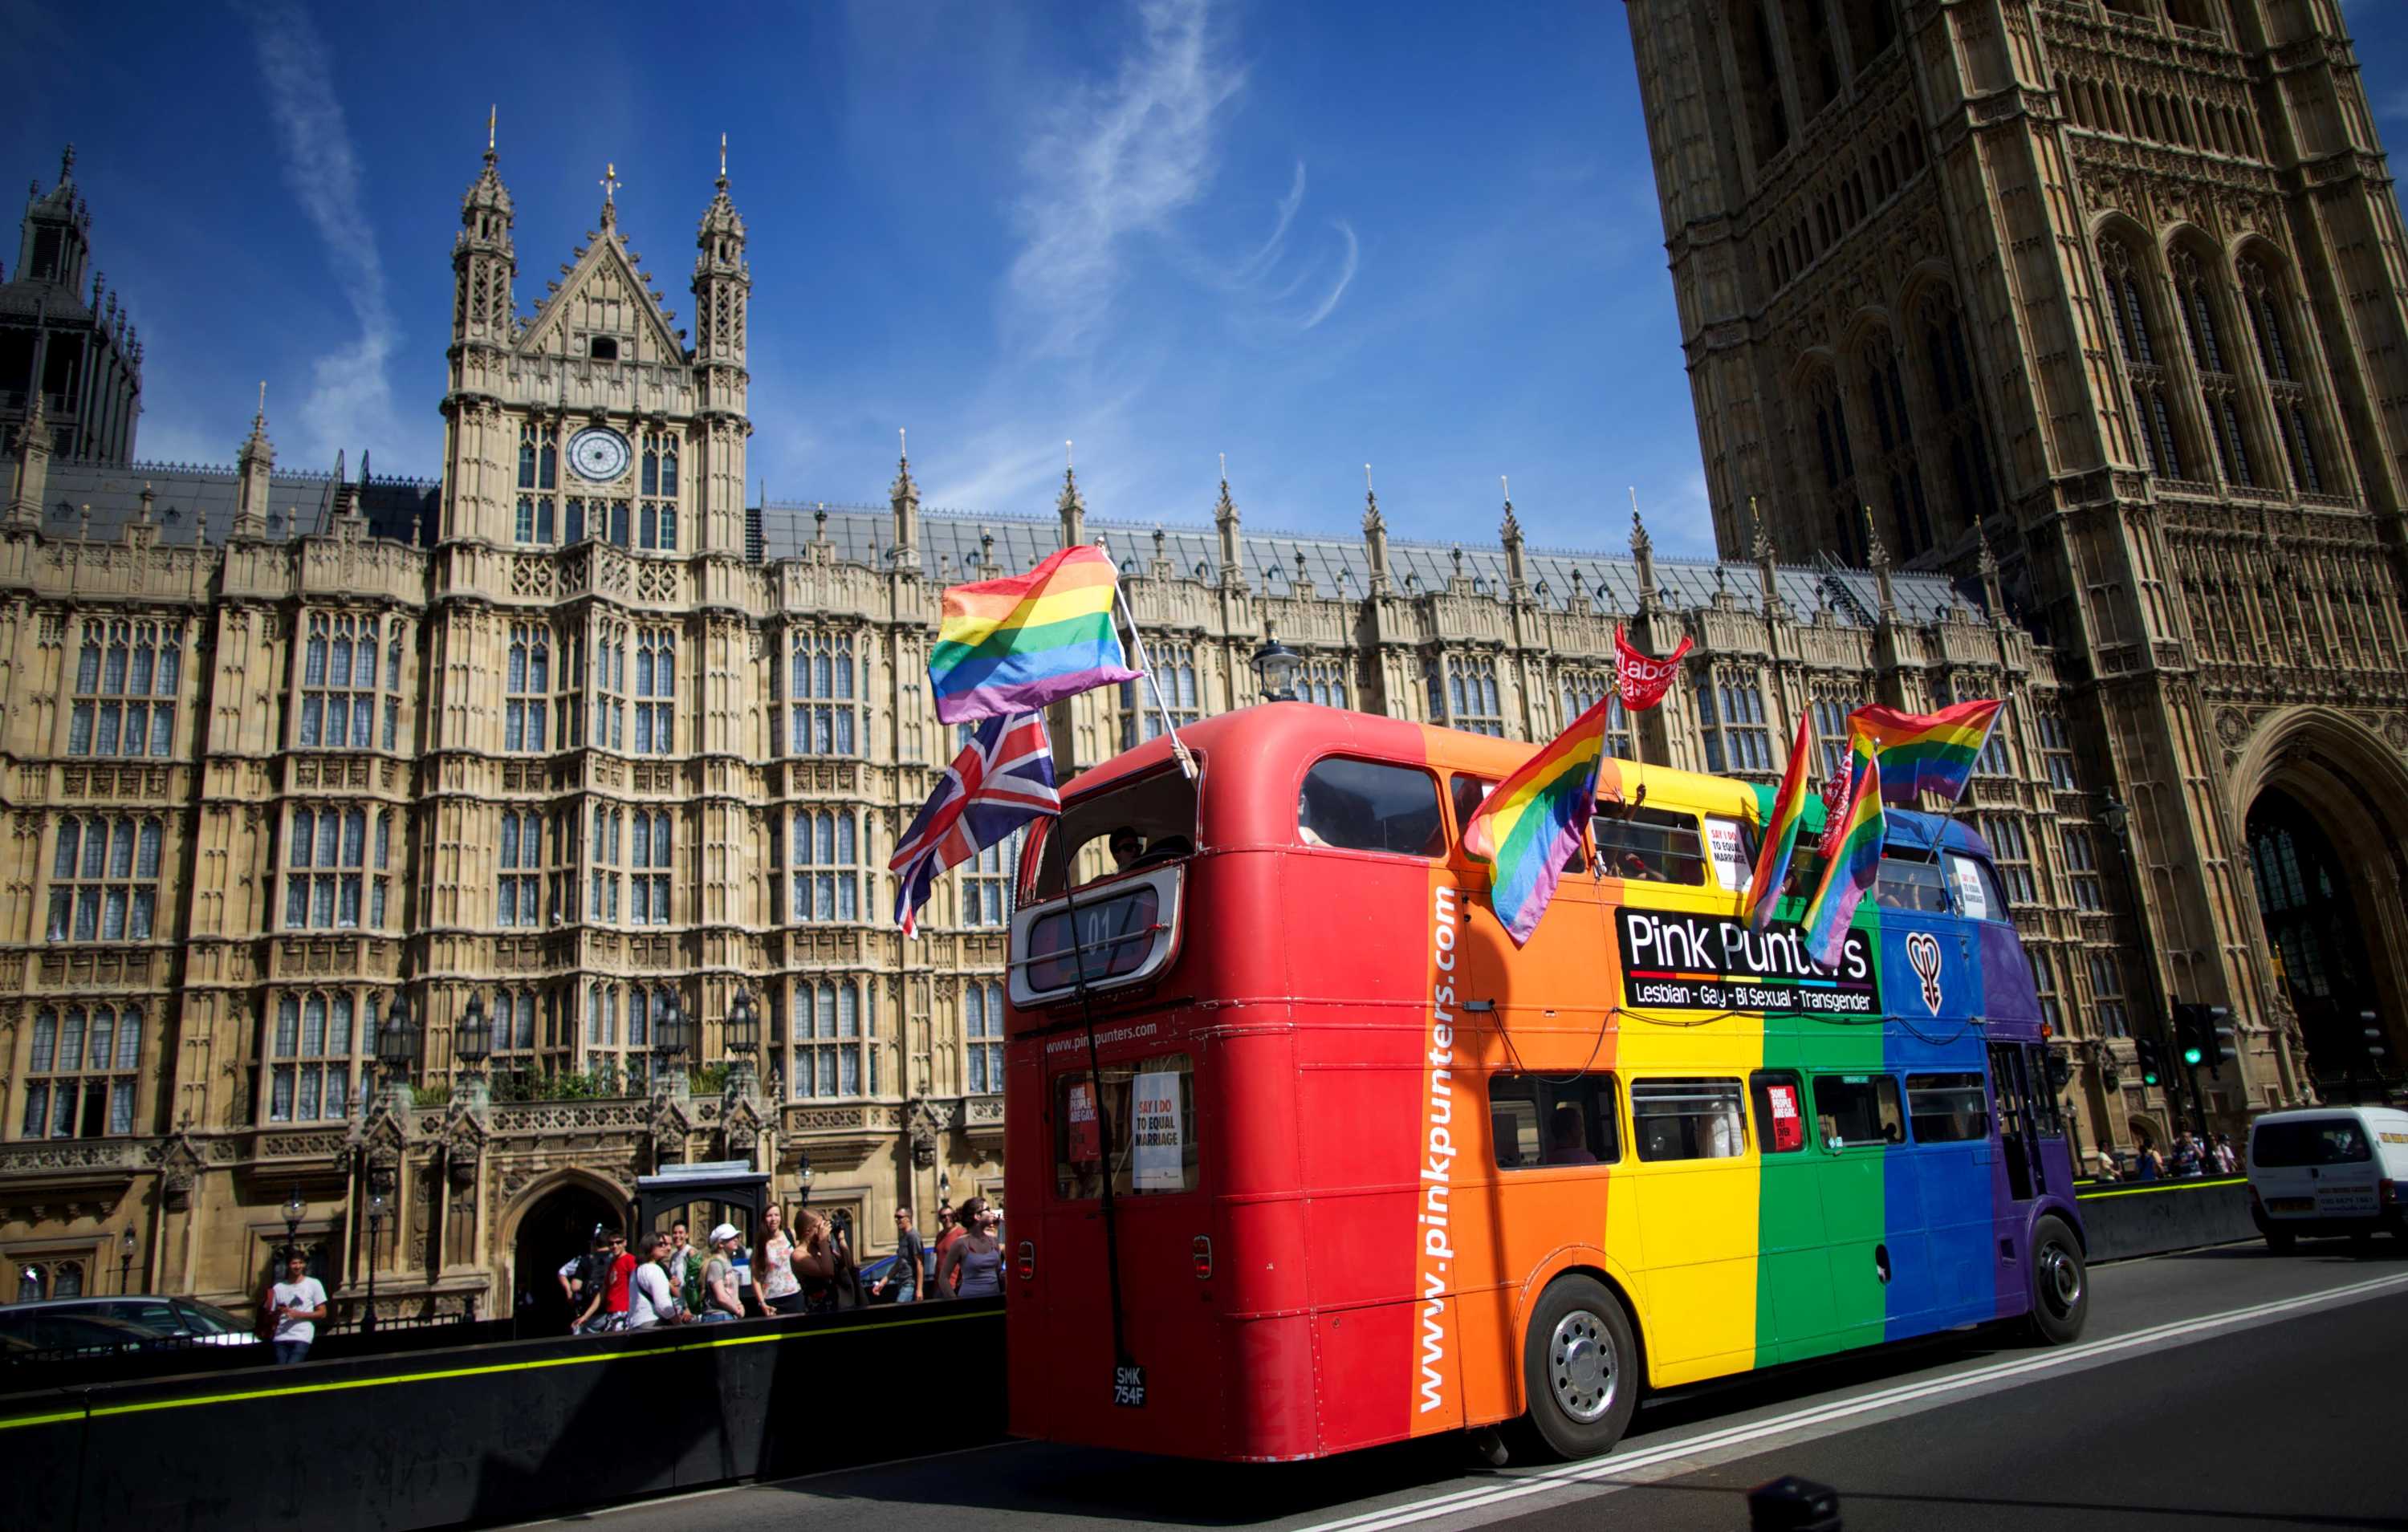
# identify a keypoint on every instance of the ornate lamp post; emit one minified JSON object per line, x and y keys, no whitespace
{"x":396,"y":1043}
{"x":672,"y":1038}
{"x":294,"y":1210}
{"x":376,"y":1228}
{"x":741,"y":1033}
{"x":125,"y":1262}
{"x":472,"y":1044}
{"x":1275,"y":666}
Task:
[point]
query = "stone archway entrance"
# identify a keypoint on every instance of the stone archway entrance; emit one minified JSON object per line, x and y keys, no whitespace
{"x":556,"y":1228}
{"x":2324,"y":816}
{"x":2313,"y":933}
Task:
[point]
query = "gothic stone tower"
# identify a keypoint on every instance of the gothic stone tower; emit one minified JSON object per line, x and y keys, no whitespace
{"x":2115,"y":287}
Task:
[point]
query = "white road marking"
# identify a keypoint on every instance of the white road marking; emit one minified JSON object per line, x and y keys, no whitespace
{"x":1827,"y":1419}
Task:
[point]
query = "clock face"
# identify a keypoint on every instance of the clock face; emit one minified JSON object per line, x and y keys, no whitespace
{"x":598,"y":455}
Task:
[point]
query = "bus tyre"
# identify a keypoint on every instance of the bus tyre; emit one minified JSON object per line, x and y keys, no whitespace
{"x":2060,"y":1285}
{"x":1579,"y":1368}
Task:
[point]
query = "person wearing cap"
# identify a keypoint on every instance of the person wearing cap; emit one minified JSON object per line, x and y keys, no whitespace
{"x":720,"y":1300}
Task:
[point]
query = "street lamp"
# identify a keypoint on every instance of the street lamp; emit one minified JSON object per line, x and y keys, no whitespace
{"x":125,"y":1261}
{"x":2116,"y":820}
{"x":294,"y":1210}
{"x":1275,"y":667}
{"x":803,"y":1175}
{"x":671,"y":1031}
{"x":375,"y":1226}
{"x":396,"y":1043}
{"x":743,"y":1027}
{"x":472,"y":1037}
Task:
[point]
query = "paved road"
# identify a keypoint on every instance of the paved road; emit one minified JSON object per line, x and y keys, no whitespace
{"x":2226,"y":1388}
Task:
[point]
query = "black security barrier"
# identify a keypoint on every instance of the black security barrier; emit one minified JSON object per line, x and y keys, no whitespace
{"x":2122,"y":1219}
{"x":509,"y":1431}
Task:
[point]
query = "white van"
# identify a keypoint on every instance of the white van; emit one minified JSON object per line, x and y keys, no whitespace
{"x":2327,"y":1170}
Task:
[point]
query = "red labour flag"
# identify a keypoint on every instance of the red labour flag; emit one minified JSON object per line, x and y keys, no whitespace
{"x":1644,"y":681}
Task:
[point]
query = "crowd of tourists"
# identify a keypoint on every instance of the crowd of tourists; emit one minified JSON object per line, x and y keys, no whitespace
{"x":802,"y":1264}
{"x":2200,"y":1154}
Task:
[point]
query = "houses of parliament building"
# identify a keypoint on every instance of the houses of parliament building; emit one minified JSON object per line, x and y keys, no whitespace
{"x":2050,"y":350}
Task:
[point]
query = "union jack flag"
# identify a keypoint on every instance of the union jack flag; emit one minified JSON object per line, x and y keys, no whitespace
{"x":1002,"y":778}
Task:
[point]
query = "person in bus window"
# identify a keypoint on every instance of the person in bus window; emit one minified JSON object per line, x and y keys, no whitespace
{"x":1169,"y":848}
{"x":1566,"y":1143}
{"x":1127,"y":846}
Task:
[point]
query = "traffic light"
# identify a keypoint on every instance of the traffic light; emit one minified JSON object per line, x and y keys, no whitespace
{"x":2223,"y":1043}
{"x":2148,"y":1051}
{"x":2188,"y":1045}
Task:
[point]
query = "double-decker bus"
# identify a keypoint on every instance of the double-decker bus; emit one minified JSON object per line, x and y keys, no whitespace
{"x":1376,"y":1173}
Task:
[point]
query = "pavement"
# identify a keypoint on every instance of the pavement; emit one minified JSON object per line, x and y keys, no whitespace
{"x":2223,"y":1388}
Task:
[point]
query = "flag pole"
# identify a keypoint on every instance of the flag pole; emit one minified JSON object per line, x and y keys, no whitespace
{"x":1136,"y":642}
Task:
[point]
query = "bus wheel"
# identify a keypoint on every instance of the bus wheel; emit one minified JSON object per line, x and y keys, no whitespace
{"x":2060,"y":1286}
{"x":1579,"y":1368}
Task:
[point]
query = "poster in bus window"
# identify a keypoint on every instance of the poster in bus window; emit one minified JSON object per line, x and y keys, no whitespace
{"x":1729,"y":849}
{"x":1788,"y":1127}
{"x":1155,"y":1131}
{"x":1086,"y":1134}
{"x":1971,"y":894}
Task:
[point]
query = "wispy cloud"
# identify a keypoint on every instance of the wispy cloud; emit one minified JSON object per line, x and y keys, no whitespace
{"x":1345,"y":274}
{"x":350,"y":401}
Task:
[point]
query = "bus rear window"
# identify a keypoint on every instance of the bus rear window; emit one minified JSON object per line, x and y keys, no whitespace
{"x":1650,"y":845}
{"x":2314,"y":1140}
{"x":1370,"y":806}
{"x":1150,"y":1106}
{"x":1109,"y":938}
{"x":1146,"y":822}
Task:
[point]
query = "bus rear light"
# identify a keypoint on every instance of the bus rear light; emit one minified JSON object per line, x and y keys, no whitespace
{"x":1027,"y":1260}
{"x":1203,"y":1249}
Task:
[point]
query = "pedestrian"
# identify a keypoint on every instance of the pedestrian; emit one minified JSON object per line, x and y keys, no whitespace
{"x":2186,"y":1161}
{"x":681,"y":1254}
{"x":2107,"y":1166}
{"x":904,"y":1275}
{"x":948,"y":1228}
{"x":977,"y":1257}
{"x":650,"y":1300}
{"x":720,"y":1302}
{"x":607,"y":1304}
{"x":2148,"y":1163}
{"x":780,"y":1289}
{"x":2226,"y":1160}
{"x":844,"y":1270}
{"x":298,"y":1302}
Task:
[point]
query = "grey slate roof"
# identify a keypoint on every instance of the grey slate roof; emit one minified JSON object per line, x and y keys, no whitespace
{"x":192,"y":501}
{"x":951,"y":548}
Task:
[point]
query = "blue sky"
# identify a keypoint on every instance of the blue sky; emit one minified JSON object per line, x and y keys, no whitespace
{"x":1307,"y":237}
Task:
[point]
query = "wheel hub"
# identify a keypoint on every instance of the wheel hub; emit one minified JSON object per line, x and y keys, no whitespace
{"x":2060,"y":1279}
{"x":1581,"y":1365}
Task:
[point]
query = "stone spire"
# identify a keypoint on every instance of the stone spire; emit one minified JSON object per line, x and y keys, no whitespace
{"x":252,"y":467}
{"x":1878,"y":556}
{"x":1516,"y":577}
{"x":1224,"y":521}
{"x":904,"y":496}
{"x":30,"y":472}
{"x":1642,"y":549}
{"x":1986,"y":564}
{"x":1375,"y":535}
{"x":1071,"y":506}
{"x":483,"y":260}
{"x":1768,"y":571}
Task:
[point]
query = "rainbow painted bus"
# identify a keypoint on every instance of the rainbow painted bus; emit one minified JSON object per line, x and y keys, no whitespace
{"x":1377,"y":1174}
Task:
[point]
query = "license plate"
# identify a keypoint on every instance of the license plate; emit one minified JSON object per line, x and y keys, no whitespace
{"x":2291,"y":1205}
{"x":1128,"y":1387}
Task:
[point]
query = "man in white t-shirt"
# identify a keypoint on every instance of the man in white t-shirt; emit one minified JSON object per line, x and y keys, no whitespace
{"x":650,"y":1300}
{"x":299,"y":1302}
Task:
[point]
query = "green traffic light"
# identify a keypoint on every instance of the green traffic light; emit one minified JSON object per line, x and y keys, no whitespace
{"x":2148,"y":1076}
{"x":2192,"y":1055}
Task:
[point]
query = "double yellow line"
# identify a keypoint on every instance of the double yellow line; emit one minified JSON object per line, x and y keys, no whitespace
{"x":489,"y":1369}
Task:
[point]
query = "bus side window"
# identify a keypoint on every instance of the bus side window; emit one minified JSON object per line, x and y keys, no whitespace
{"x":1686,"y":1118}
{"x":1858,"y":1109}
{"x":1976,"y":884}
{"x":1370,"y":806}
{"x":1539,"y":1120}
{"x":1780,"y":1112}
{"x":1648,"y":844}
{"x":1910,"y":881}
{"x":1466,"y":793}
{"x":1951,"y":1109}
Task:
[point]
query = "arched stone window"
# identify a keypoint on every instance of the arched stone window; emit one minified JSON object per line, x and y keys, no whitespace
{"x":1948,"y":366}
{"x":1759,"y":79}
{"x":1831,"y":462}
{"x":1896,"y":470}
{"x":2265,"y":299}
{"x":2152,"y":417}
{"x":2222,"y":403}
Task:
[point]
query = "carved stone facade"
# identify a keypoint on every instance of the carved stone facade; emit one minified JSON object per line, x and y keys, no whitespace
{"x":2112,"y":290}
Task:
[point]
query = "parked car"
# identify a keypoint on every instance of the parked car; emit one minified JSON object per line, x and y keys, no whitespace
{"x":131,"y":1322}
{"x":2327,"y":1170}
{"x":876,"y":1271}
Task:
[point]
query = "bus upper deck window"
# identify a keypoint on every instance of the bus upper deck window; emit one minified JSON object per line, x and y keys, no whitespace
{"x":1540,"y":1120}
{"x":1468,"y":794}
{"x":1649,"y":845}
{"x":1911,"y":880}
{"x":1145,"y":823}
{"x":1370,"y":806}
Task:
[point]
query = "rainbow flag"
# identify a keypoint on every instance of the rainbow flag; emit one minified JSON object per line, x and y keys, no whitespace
{"x":1530,"y":823}
{"x":1780,"y":832}
{"x":1013,"y":645}
{"x":1925,"y":752}
{"x":1848,"y":870}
